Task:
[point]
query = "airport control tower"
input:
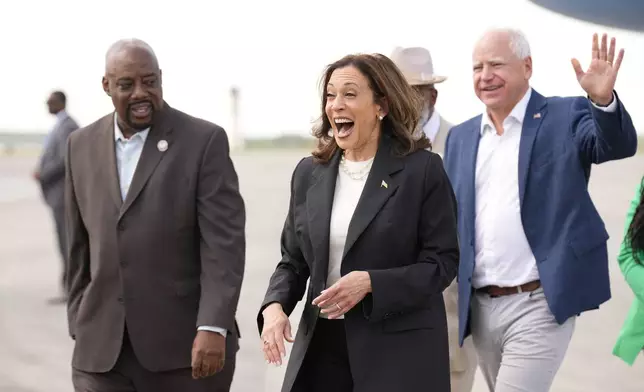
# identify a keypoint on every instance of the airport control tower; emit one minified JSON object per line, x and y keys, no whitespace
{"x":235,"y":135}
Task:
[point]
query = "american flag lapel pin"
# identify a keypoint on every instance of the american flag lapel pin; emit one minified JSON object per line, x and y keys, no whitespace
{"x":537,"y":115}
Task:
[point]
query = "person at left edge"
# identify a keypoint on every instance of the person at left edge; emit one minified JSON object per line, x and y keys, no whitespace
{"x":372,"y":227}
{"x":155,"y":223}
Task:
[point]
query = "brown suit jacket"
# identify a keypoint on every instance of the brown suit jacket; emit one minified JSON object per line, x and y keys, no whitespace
{"x":166,"y":260}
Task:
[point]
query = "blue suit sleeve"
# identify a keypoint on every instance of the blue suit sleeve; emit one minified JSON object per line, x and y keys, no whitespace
{"x":602,"y":135}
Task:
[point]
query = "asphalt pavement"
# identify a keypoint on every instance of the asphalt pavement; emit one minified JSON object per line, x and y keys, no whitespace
{"x":35,"y":350}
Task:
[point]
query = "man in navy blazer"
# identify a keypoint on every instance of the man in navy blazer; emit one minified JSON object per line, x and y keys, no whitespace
{"x":533,"y":246}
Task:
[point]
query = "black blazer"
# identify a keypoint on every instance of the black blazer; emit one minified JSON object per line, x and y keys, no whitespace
{"x":404,"y":234}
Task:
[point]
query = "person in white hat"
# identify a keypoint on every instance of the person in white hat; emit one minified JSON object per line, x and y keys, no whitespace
{"x":416,"y":65}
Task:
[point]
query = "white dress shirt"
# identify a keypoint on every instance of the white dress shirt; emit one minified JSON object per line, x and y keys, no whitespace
{"x":128,"y":152}
{"x":503,"y":256}
{"x":432,"y":126}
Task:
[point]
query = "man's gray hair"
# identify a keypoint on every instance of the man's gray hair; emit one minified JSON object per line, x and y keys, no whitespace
{"x":518,"y":42}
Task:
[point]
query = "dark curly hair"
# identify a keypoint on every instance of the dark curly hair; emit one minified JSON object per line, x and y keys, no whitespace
{"x":390,"y":90}
{"x":635,"y":233}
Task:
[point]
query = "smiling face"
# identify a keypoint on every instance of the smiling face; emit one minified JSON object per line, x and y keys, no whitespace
{"x":352,"y":111}
{"x":133,"y":81}
{"x":500,"y":77}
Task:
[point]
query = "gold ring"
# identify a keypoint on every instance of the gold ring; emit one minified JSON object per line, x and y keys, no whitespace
{"x":338,"y":306}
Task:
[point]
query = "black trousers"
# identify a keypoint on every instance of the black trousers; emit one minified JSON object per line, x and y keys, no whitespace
{"x":128,"y":375}
{"x":326,"y":363}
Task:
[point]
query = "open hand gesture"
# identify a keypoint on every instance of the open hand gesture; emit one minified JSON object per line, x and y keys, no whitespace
{"x":599,"y":80}
{"x":277,"y":329}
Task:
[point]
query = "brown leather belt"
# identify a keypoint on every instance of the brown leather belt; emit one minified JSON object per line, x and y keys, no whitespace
{"x":496,"y":291}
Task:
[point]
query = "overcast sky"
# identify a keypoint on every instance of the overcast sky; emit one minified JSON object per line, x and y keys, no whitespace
{"x":275,"y":52}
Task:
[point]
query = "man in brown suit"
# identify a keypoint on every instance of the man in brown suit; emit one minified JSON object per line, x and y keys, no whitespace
{"x":155,"y":226}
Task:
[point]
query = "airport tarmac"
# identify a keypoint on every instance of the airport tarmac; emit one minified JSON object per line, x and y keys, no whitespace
{"x":35,"y":350}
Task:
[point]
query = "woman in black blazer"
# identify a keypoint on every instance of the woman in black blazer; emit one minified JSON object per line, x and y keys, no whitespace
{"x":372,"y":227}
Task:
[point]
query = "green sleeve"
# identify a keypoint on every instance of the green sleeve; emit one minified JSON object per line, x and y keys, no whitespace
{"x":631,"y":269}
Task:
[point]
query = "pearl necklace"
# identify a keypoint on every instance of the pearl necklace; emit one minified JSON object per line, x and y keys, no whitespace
{"x":357,"y":175}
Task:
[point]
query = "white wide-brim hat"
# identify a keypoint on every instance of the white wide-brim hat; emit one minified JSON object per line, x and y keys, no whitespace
{"x":416,"y":65}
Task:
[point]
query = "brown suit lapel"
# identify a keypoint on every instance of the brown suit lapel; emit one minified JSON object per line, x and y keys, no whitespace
{"x":107,"y":153}
{"x":150,"y":156}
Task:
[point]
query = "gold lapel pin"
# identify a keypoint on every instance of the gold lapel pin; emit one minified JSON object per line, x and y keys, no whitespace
{"x":383,"y":184}
{"x":537,"y":115}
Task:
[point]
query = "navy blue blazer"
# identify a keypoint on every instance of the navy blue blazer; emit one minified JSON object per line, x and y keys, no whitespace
{"x":560,"y":140}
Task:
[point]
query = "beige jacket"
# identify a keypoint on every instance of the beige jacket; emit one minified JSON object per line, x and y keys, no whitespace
{"x":438,"y":144}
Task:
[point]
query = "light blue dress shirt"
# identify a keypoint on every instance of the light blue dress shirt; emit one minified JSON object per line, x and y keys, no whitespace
{"x":128,"y":153}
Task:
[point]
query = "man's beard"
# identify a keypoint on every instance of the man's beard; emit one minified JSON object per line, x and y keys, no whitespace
{"x":426,"y":114}
{"x":139,"y":126}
